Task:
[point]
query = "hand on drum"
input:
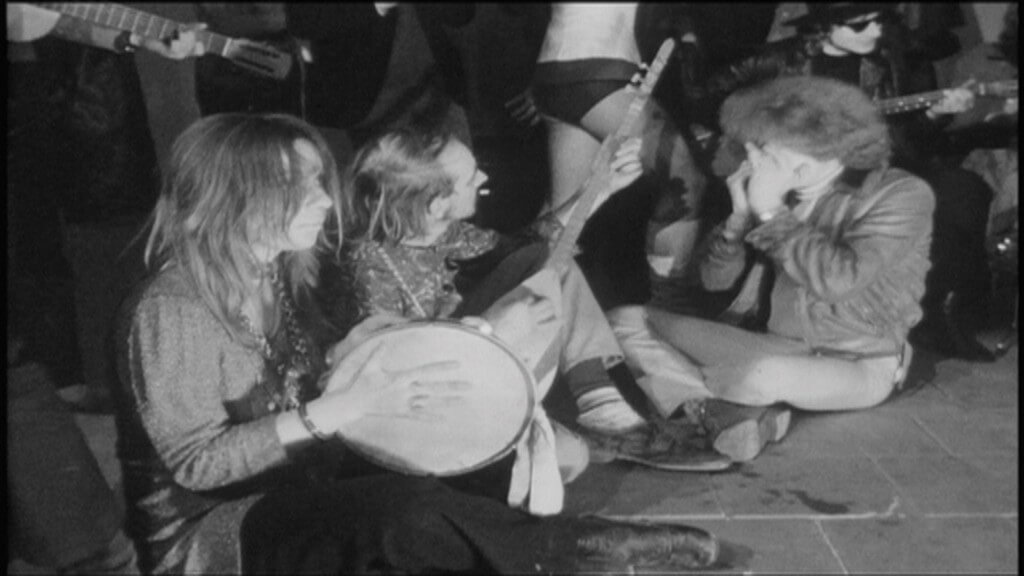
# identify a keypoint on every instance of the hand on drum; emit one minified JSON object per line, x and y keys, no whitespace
{"x":373,"y":390}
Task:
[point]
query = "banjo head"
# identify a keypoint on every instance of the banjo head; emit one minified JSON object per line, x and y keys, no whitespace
{"x":464,"y":436}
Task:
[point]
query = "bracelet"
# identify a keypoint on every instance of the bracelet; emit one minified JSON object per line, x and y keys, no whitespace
{"x":308,"y":423}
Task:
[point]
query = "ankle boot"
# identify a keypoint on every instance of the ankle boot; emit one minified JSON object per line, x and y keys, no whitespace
{"x":961,"y":343}
{"x":737,"y":431}
{"x":600,"y":545}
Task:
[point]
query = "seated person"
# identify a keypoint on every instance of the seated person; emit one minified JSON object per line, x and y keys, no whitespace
{"x":408,"y":197}
{"x":226,"y":438}
{"x":847,"y":238}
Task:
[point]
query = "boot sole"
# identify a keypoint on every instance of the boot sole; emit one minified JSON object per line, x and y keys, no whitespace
{"x":652,"y":546}
{"x":744,"y":441}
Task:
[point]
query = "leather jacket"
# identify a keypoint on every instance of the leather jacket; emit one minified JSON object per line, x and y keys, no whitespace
{"x":850,"y":277}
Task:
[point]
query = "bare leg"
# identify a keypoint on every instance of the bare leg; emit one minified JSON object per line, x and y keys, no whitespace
{"x":571,"y":150}
{"x":673,"y":230}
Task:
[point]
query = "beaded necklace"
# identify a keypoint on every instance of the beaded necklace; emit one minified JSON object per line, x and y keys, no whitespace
{"x":291,"y":367}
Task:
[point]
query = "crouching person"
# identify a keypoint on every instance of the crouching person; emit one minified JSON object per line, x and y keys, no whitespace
{"x":844,"y":242}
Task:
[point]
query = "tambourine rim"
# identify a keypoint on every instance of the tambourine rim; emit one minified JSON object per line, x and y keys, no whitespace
{"x":458,"y":326}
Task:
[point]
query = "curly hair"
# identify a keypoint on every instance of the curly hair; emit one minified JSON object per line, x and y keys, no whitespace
{"x":823,"y":118}
{"x":387,"y":191}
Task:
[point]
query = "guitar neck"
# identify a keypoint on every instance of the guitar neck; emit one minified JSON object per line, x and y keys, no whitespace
{"x":909,"y":103}
{"x":146,"y":25}
{"x":598,"y":180}
{"x":1003,"y":88}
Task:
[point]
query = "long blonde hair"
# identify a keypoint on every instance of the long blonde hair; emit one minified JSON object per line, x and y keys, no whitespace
{"x":234,"y":180}
{"x":388,"y":189}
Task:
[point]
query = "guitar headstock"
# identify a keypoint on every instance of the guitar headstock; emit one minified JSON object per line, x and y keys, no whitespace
{"x":1000,"y":89}
{"x":260,"y":58}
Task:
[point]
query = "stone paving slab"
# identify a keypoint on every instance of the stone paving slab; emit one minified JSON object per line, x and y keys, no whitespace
{"x":862,"y":433}
{"x":807,"y":487}
{"x":777,"y":546}
{"x":949,"y":485}
{"x":914,"y":545}
{"x":624,"y":489}
{"x":811,"y":436}
{"x":980,"y":385}
{"x":973,"y":431}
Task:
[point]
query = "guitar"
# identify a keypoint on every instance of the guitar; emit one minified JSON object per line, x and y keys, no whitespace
{"x":1000,"y":89}
{"x":28,"y":22}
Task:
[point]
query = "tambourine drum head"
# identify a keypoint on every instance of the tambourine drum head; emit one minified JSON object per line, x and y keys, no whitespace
{"x":467,"y":435}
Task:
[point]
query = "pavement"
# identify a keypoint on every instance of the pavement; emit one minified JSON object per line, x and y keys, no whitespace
{"x":925,"y":483}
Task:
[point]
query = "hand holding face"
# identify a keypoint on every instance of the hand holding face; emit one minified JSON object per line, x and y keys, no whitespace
{"x":771,"y":178}
{"x":737,"y":183}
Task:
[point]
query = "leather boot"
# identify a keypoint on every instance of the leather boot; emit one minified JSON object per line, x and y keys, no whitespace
{"x":737,"y":431}
{"x":964,"y":345}
{"x":600,"y":545}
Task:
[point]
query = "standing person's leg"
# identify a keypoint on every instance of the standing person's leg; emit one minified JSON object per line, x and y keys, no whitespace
{"x":761,"y":369}
{"x":571,"y":151}
{"x":674,"y":227}
{"x":63,"y":514}
{"x":958,"y":286}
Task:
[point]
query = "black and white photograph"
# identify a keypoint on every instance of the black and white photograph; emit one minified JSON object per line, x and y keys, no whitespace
{"x":512,"y":288}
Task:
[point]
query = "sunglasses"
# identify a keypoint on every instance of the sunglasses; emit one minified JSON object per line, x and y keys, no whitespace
{"x":861,"y":26}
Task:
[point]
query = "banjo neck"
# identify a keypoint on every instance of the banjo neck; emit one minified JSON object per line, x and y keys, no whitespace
{"x":599,"y":179}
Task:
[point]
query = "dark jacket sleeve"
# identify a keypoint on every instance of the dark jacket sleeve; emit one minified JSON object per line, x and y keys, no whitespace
{"x":351,"y":46}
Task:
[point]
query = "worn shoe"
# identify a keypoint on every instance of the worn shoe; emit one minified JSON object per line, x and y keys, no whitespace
{"x":737,"y":431}
{"x":623,"y":546}
{"x":655,"y":447}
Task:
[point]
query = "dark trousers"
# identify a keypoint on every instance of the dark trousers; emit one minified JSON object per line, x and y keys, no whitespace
{"x":959,"y":260}
{"x":61,"y":512}
{"x":389,"y":523}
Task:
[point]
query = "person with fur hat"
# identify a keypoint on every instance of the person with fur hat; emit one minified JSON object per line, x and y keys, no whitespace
{"x":867,"y":45}
{"x":845,"y":239}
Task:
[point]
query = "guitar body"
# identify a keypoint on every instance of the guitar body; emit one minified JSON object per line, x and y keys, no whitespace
{"x":26,"y":23}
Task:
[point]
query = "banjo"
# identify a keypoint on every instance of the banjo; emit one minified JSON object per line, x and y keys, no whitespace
{"x":498,"y":408}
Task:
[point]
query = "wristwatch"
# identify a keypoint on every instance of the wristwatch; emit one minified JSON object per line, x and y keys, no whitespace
{"x":768,"y":215}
